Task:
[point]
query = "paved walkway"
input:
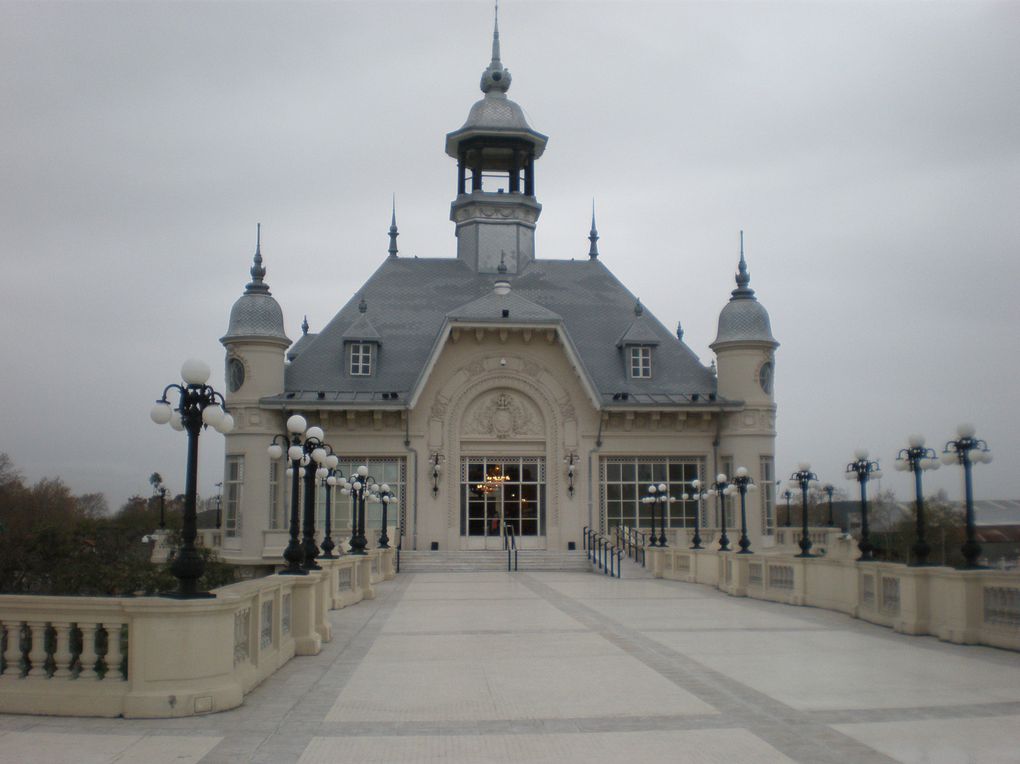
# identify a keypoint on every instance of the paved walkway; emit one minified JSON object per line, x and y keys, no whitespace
{"x":563,"y":667}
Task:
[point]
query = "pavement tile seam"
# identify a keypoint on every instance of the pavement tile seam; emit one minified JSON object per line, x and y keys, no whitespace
{"x":775,"y":720}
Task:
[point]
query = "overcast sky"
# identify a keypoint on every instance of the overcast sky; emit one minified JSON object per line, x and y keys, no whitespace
{"x":870,"y":152}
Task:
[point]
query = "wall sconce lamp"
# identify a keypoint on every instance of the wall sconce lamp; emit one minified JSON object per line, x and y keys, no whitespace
{"x":570,"y":460}
{"x":435,"y":458}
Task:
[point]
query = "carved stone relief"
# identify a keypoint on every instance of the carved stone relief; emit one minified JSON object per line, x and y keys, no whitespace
{"x":503,"y":414}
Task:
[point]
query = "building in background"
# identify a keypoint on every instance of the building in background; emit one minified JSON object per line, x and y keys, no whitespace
{"x":544,"y":377}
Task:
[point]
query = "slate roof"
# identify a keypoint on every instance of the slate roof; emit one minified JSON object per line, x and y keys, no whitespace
{"x":411,"y":299}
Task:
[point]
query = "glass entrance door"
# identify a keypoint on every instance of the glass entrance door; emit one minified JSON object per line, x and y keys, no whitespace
{"x":501,"y":495}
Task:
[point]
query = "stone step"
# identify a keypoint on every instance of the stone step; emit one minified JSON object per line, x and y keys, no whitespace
{"x":478,"y":560}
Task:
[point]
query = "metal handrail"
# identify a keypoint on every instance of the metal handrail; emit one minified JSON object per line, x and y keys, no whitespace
{"x":510,"y":544}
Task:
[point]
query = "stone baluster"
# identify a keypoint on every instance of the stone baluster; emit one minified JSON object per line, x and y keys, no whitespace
{"x":114,"y":656}
{"x":12,"y":655}
{"x":88,"y":651}
{"x":37,"y":654}
{"x":62,"y":650}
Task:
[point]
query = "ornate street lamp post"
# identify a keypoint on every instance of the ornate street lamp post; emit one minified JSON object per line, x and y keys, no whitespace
{"x":329,"y":482}
{"x":968,"y":450}
{"x":316,"y":451}
{"x":828,"y":489}
{"x":161,"y":492}
{"x":302,"y":439}
{"x":658,"y":496}
{"x":722,"y":488}
{"x":385,"y":496}
{"x":802,"y":479}
{"x":862,"y":470}
{"x":916,"y":458}
{"x":788,"y":494}
{"x":743,"y":483}
{"x":698,"y":497}
{"x":359,"y":487}
{"x":199,"y":406}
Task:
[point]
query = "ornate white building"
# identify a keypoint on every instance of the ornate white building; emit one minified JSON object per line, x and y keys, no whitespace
{"x":545,"y":376}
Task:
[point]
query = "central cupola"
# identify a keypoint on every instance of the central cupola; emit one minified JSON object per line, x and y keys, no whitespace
{"x":495,"y":210}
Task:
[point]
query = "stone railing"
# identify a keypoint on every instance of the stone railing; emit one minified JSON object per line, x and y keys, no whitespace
{"x":161,"y":657}
{"x":962,"y":606}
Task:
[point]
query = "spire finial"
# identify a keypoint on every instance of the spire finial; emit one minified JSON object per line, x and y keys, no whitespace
{"x":393,"y":229}
{"x":258,"y":272}
{"x":743,"y":277}
{"x":593,"y":237}
{"x":495,"y":78}
{"x":502,"y":261}
{"x":495,"y":34}
{"x":679,"y":331}
{"x":304,"y":326}
{"x":362,"y":305}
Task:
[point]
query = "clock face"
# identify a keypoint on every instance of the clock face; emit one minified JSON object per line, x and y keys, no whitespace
{"x":765,"y":377}
{"x":235,"y":374}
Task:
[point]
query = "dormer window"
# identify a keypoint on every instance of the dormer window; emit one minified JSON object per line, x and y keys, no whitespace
{"x":361,"y":359}
{"x":640,"y":361}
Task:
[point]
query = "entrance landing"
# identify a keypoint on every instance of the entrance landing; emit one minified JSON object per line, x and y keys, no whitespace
{"x":563,"y":667}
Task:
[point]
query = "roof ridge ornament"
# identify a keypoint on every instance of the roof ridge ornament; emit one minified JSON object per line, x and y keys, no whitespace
{"x":304,"y":326}
{"x":743,"y":277}
{"x":495,"y":78}
{"x":639,"y":309}
{"x":502,"y":262}
{"x":258,"y":271}
{"x":593,"y":237}
{"x":362,"y":305}
{"x":393,"y":229}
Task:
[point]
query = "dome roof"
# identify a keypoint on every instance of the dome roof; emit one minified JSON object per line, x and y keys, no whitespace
{"x":743,"y":318}
{"x":496,"y":112}
{"x":256,"y":314}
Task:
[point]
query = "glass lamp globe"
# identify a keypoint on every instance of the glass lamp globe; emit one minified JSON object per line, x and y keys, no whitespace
{"x":332,"y":461}
{"x":226,"y":424}
{"x":211,"y":415}
{"x":720,"y":478}
{"x":916,"y":441}
{"x":296,"y":424}
{"x":876,"y":474}
{"x":195,"y":372}
{"x":294,"y":453}
{"x":751,"y":487}
{"x":289,"y":472}
{"x":319,"y":455}
{"x":385,"y":487}
{"x":161,"y":412}
{"x":861,"y":454}
{"x":315,"y":432}
{"x":331,"y":481}
{"x":662,"y":487}
{"x":176,"y":422}
{"x":275,"y":451}
{"x":652,"y":489}
{"x":741,"y":472}
{"x":965,"y":430}
{"x":949,"y":457}
{"x":804,"y":467}
{"x":363,"y":470}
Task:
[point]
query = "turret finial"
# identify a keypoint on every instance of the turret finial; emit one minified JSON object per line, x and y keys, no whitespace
{"x":304,"y":326}
{"x":393,"y":229}
{"x":258,"y":272}
{"x":679,"y":331}
{"x":743,"y":277}
{"x":593,"y":237}
{"x":495,"y":77}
